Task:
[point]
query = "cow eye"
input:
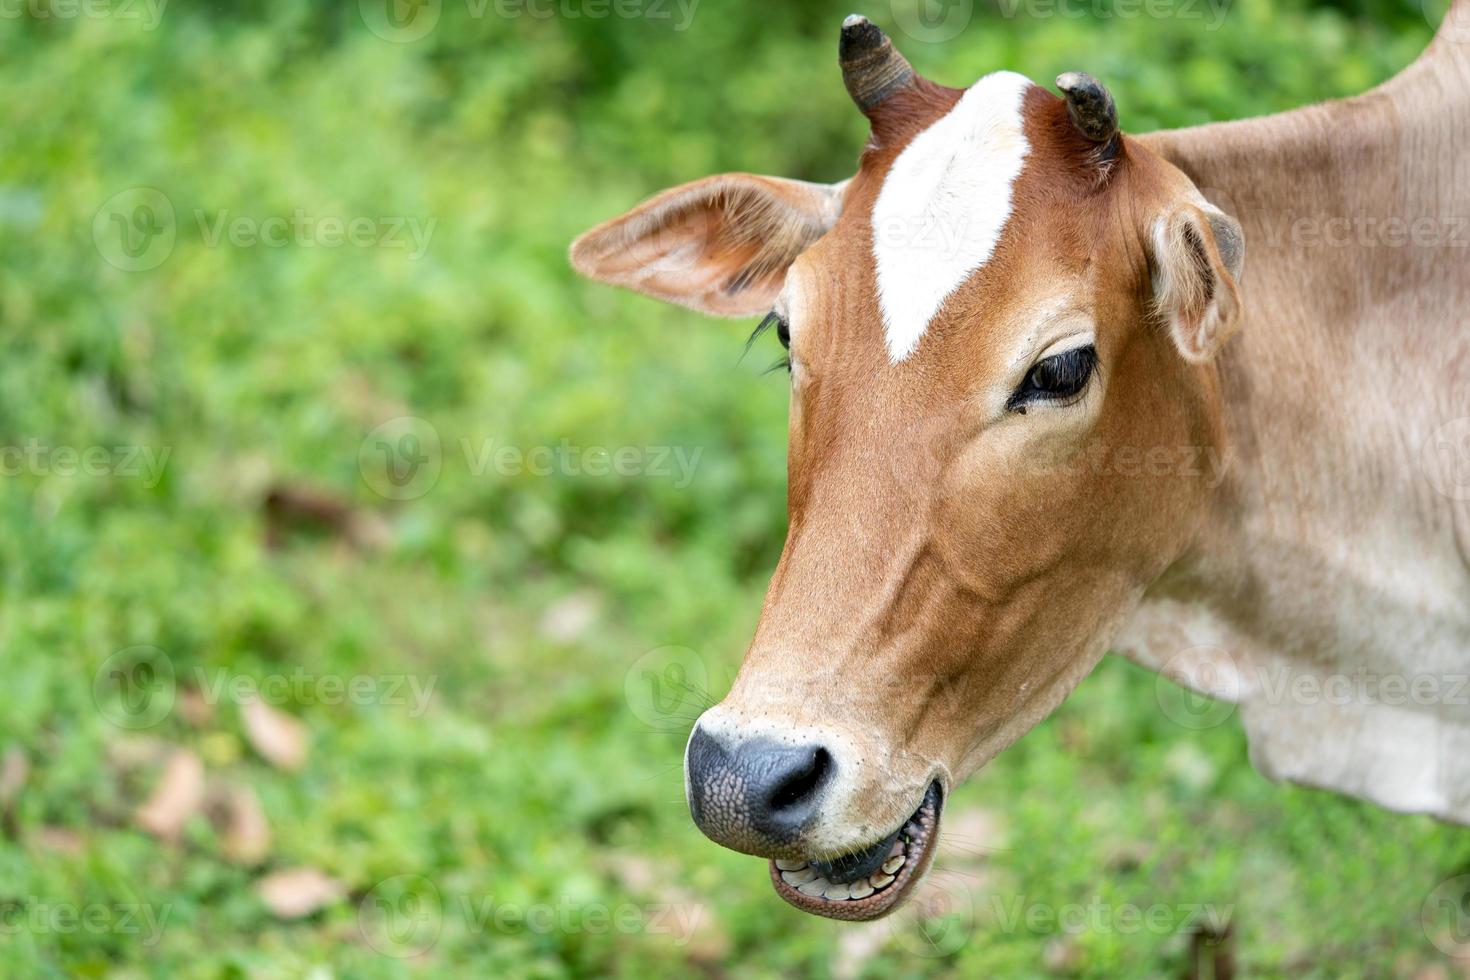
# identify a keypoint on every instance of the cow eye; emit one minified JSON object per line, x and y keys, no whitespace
{"x":783,"y":330}
{"x":1056,"y":378}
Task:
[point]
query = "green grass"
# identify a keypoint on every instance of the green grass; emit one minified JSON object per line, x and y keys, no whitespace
{"x":535,"y":777}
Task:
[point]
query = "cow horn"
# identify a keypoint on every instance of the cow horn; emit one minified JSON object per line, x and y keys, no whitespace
{"x":1090,"y":106}
{"x":872,"y":68}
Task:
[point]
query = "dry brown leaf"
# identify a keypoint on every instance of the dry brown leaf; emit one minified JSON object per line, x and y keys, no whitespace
{"x":569,"y":618}
{"x":60,"y":840}
{"x":245,"y":834}
{"x":280,"y":739}
{"x":370,"y":532}
{"x":136,"y":751}
{"x":15,"y":769}
{"x":856,"y":947}
{"x":1435,"y":971}
{"x":635,"y":872}
{"x":1063,"y":954}
{"x":177,"y":797}
{"x":291,"y":508}
{"x":298,"y":892}
{"x":194,"y":708}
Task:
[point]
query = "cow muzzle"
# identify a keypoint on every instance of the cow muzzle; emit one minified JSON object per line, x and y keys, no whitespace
{"x":841,"y":843}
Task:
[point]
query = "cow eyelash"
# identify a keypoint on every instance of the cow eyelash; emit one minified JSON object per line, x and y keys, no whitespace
{"x":783,"y":334}
{"x":772,"y":319}
{"x":1058,"y":378}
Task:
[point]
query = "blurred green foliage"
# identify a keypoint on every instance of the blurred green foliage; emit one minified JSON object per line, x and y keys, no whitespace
{"x":528,"y":600}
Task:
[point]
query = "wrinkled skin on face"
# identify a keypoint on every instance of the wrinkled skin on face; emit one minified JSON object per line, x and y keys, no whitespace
{"x":958,"y":556}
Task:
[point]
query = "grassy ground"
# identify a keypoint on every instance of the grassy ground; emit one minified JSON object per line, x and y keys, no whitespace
{"x":206,"y":370}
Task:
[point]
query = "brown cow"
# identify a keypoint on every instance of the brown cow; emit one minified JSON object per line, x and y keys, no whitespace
{"x":1019,"y":437}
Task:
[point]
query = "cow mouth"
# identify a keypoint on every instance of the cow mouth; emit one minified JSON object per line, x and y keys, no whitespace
{"x":869,"y":883}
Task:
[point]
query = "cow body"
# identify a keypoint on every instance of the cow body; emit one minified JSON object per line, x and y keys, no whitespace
{"x":1329,"y":588}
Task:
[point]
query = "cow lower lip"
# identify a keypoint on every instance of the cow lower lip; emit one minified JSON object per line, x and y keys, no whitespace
{"x":802,"y":885}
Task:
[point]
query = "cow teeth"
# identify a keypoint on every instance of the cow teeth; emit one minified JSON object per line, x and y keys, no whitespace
{"x":798,"y":877}
{"x":786,"y":865}
{"x":815,"y":887}
{"x":897,"y":848}
{"x":892,"y":865}
{"x":860,"y":889}
{"x":880,"y":880}
{"x":838,"y":892}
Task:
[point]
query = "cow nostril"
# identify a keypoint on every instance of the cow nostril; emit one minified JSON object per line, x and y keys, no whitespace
{"x":759,"y":793}
{"x":798,"y":786}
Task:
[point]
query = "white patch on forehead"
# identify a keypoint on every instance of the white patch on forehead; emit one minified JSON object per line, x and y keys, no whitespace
{"x":944,"y":205}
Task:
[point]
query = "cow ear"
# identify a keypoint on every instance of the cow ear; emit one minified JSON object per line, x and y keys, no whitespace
{"x":1198,"y":254}
{"x":721,"y":245}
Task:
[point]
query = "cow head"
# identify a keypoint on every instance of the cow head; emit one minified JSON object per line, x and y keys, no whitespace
{"x":1004,"y":313}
